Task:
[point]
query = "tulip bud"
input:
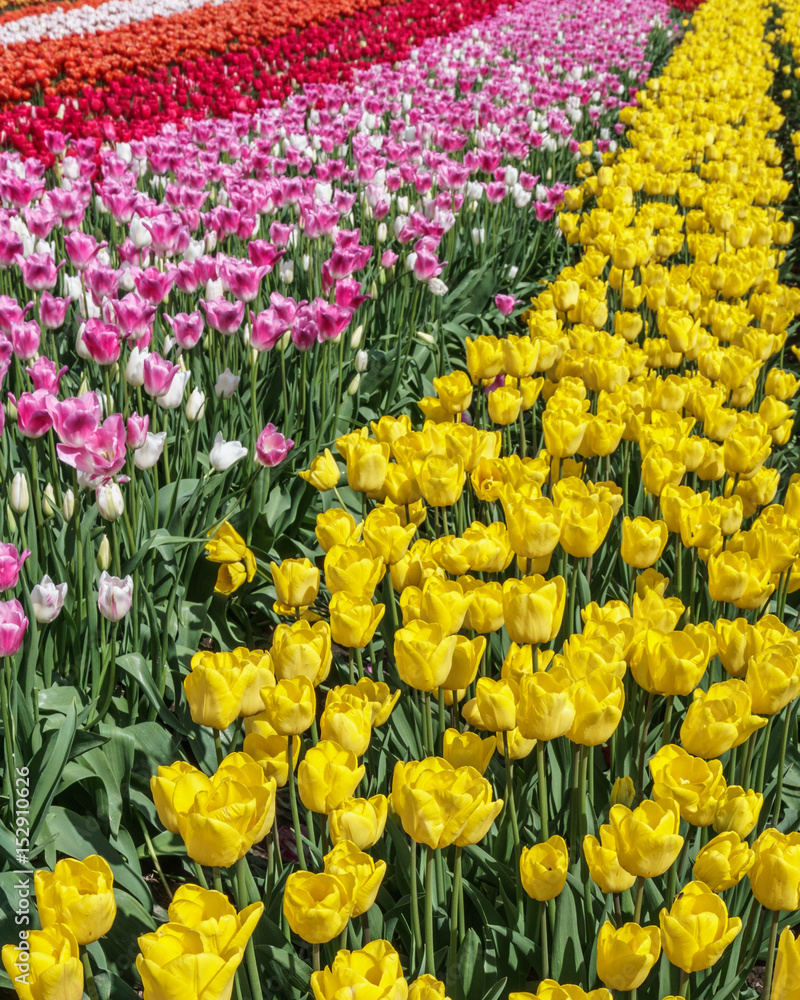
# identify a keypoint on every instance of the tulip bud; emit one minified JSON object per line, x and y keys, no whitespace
{"x":11,"y":520}
{"x":195,"y":406}
{"x":19,"y":496}
{"x":48,"y":500}
{"x":352,"y":389}
{"x":104,"y":554}
{"x":115,"y":595}
{"x":68,"y":505}
{"x":362,"y":360}
{"x":623,"y":791}
{"x":47,"y":599}
{"x":355,"y":340}
{"x":110,"y":502}
{"x":382,"y":233}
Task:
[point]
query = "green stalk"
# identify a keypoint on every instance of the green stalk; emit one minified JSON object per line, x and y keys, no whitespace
{"x":540,"y":765}
{"x":776,"y":807}
{"x":430,"y":963}
{"x":643,"y":745}
{"x":543,"y":937}
{"x":512,"y":816}
{"x":667,"y":726}
{"x":417,"y":941}
{"x":773,"y":938}
{"x":762,"y":764}
{"x":452,"y":960}
{"x":637,"y":912}
{"x":293,"y":801}
{"x":250,"y":951}
{"x":88,"y":976}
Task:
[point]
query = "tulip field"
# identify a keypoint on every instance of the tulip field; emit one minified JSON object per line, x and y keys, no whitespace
{"x":399,"y":500}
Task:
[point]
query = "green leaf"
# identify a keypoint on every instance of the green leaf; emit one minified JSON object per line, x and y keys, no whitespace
{"x":567,"y":958}
{"x":135,"y":665}
{"x":46,"y":769}
{"x":470,"y":983}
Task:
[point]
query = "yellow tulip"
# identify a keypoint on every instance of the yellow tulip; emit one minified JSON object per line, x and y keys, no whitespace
{"x":697,"y":929}
{"x":302,"y":648}
{"x":290,"y":705}
{"x":738,"y":810}
{"x":643,"y":541}
{"x":376,"y":694}
{"x":485,"y":612}
{"x":354,"y":620}
{"x":672,"y":663}
{"x":773,"y":677}
{"x":545,"y":709}
{"x":354,"y":569}
{"x":723,"y":862}
{"x":336,"y":527}
{"x":786,"y":978}
{"x":162,"y":788}
{"x":367,"y":462}
{"x":693,"y":783}
{"x":598,"y":701}
{"x":497,"y":704}
{"x":625,"y":955}
{"x":78,"y":894}
{"x":504,"y":405}
{"x":484,"y":358}
{"x":373,"y":971}
{"x":272,"y":754}
{"x":623,"y":790}
{"x":222,"y":686}
{"x":534,"y":526}
{"x":563,"y":432}
{"x":361,"y":821}
{"x":775,"y":874}
{"x":327,"y":775}
{"x":423,"y":654}
{"x":296,"y":582}
{"x":719,"y":719}
{"x":347,"y":858}
{"x":317,"y":905}
{"x":348,"y":725}
{"x":584,"y":526}
{"x":533,"y":608}
{"x":324,"y":473}
{"x":468,"y":750}
{"x":213,"y":915}
{"x":48,"y":968}
{"x":604,"y":868}
{"x":386,"y":536}
{"x":647,"y":837}
{"x":543,"y":869}
{"x":441,"y":479}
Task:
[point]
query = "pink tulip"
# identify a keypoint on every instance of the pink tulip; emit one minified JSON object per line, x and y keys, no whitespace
{"x":266,"y":330}
{"x":114,"y":597}
{"x":25,"y":338}
{"x":264,"y":254}
{"x":187,"y":328}
{"x":45,"y":375}
{"x":11,"y":313}
{"x":272,"y":447}
{"x":10,"y":564}
{"x":158,"y":375}
{"x":76,"y":418}
{"x":101,"y":341}
{"x":52,"y":311}
{"x":136,"y":431}
{"x":13,"y":624}
{"x":82,"y":249}
{"x":153,"y":285}
{"x":33,"y":416}
{"x":39,"y":271}
{"x":505,"y":303}
{"x":241,"y":279}
{"x":102,"y":455}
{"x":348,"y":294}
{"x":47,"y":599}
{"x":223,"y":316}
{"x":134,"y":316}
{"x":280,"y":234}
{"x":331,"y":319}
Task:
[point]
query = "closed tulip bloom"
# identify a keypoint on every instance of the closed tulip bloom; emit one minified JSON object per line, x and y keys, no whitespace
{"x":220,"y":683}
{"x":79,"y":894}
{"x":376,"y":694}
{"x":563,"y":431}
{"x":505,"y":404}
{"x":290,"y":705}
{"x":336,"y":527}
{"x":775,"y":875}
{"x":468,"y":750}
{"x":367,"y":462}
{"x":373,"y":972}
{"x":48,"y":968}
{"x":440,"y":602}
{"x":738,"y":810}
{"x":773,"y":677}
{"x":545,"y":709}
{"x":361,"y":821}
{"x":226,"y":545}
{"x":302,"y":648}
{"x":348,"y":725}
{"x":323,"y":473}
{"x":441,"y":479}
{"x":497,"y":704}
{"x":177,"y":960}
{"x":353,"y":620}
{"x":533,"y":608}
{"x":723,"y":862}
{"x":347,"y":858}
{"x":296,"y":582}
{"x":623,"y":790}
{"x":484,"y":358}
{"x":584,"y":526}
{"x":424,"y":654}
{"x":697,"y":929}
{"x":604,"y":868}
{"x":318,"y":906}
{"x":467,"y":655}
{"x":534,"y":526}
{"x":643,"y":541}
{"x":162,"y":788}
{"x":786,"y":977}
{"x":728,"y":576}
{"x":454,"y":391}
{"x":220,"y":818}
{"x":272,"y":754}
{"x":353,"y":568}
{"x":386,"y":536}
{"x":485,"y":612}
{"x":598,"y":701}
{"x":719,"y":719}
{"x":518,"y":747}
{"x":327,"y":775}
{"x":543,"y":869}
{"x":647,"y":837}
{"x":427,"y":987}
{"x":625,"y":955}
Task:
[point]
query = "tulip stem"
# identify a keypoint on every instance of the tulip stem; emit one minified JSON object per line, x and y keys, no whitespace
{"x":428,"y":722}
{"x":776,"y":808}
{"x":637,"y":911}
{"x":543,"y":937}
{"x":201,"y":878}
{"x":452,"y":961}
{"x":643,"y":745}
{"x":315,"y":957}
{"x":415,"y":905}
{"x":430,"y":963}
{"x":773,"y":938}
{"x":512,"y":816}
{"x":762,"y":764}
{"x":683,"y":984}
{"x":667,"y":726}
{"x":250,"y":951}
{"x":617,"y":910}
{"x":540,"y":765}
{"x":218,"y":747}
{"x":748,"y":759}
{"x":293,"y":802}
{"x":88,"y":976}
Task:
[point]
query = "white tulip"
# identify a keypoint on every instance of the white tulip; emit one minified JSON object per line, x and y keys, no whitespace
{"x":47,"y":599}
{"x":150,"y":452}
{"x":224,"y":453}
